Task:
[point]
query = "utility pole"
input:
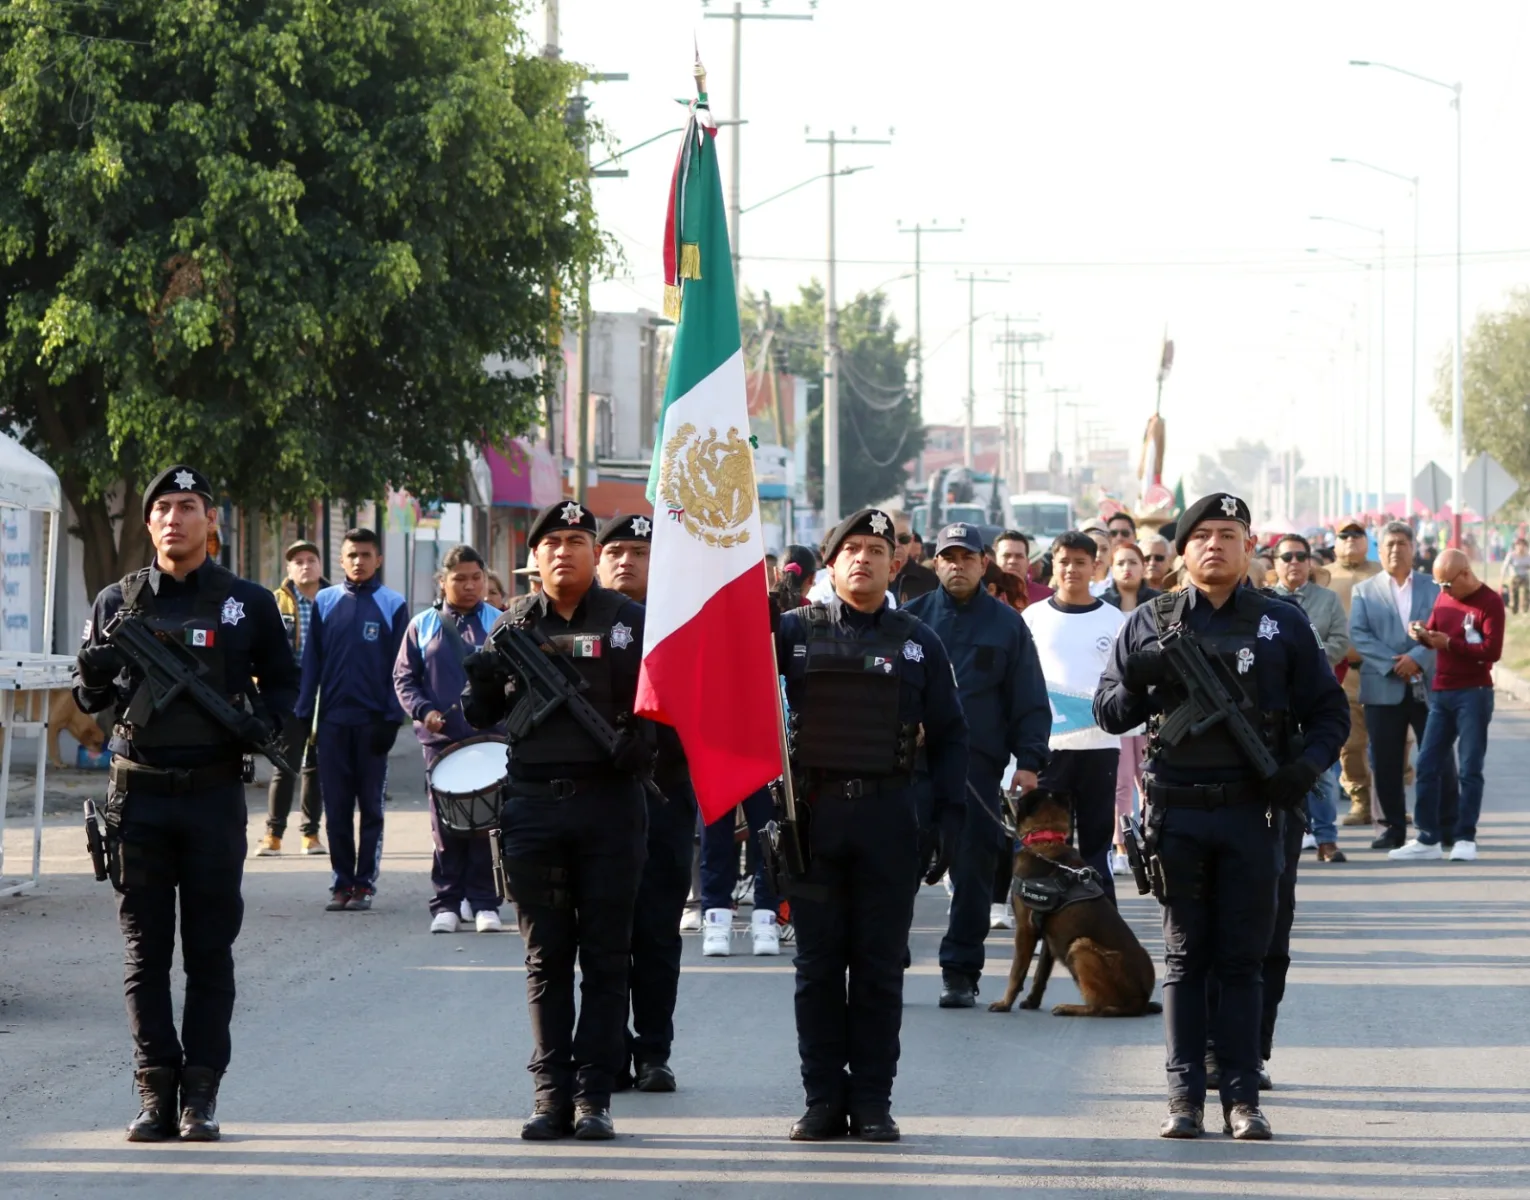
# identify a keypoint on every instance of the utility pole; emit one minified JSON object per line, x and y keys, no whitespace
{"x":971,"y":281}
{"x":919,"y":231}
{"x":830,"y":412}
{"x":577,"y":110}
{"x":738,"y":16}
{"x":550,"y":49}
{"x":1013,"y":458}
{"x":1054,"y":462}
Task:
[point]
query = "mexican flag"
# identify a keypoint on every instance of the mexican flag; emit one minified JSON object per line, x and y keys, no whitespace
{"x":708,"y":663}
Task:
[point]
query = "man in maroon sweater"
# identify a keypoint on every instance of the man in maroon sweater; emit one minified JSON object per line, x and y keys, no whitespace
{"x":1466,"y":632}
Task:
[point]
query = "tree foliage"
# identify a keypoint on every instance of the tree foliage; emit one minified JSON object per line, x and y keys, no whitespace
{"x":879,"y":428}
{"x":277,"y":239}
{"x":1495,"y":390}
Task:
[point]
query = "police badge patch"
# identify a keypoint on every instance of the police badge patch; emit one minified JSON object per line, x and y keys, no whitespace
{"x":621,"y":636}
{"x":913,"y":651}
{"x":233,"y":611}
{"x":1267,"y":628}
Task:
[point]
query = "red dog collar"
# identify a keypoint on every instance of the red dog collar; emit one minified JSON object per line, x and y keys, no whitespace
{"x":1043,"y":835}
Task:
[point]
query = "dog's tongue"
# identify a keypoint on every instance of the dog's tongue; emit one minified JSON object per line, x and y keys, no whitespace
{"x":1043,"y":835}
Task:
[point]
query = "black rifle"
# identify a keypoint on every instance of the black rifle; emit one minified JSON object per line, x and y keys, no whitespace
{"x":1208,"y":703}
{"x":168,"y":671}
{"x":95,"y":841}
{"x":548,"y":681}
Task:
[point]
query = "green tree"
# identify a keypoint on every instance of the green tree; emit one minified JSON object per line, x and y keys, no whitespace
{"x":277,"y":239}
{"x":879,"y":428}
{"x":1495,"y":390}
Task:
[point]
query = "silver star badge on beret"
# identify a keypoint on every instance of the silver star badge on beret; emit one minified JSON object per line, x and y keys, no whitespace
{"x":1230,"y":505}
{"x":642,"y":526}
{"x":572,"y":513}
{"x":185,"y":480}
{"x":878,"y":523}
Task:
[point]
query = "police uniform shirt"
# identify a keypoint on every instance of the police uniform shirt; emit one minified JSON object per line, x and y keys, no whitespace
{"x":928,"y":694}
{"x":1291,"y":672}
{"x":1003,"y":691}
{"x":621,"y":645}
{"x":249,"y":634}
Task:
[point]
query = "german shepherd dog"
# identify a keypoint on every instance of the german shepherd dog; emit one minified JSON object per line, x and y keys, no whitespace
{"x":1088,"y":936}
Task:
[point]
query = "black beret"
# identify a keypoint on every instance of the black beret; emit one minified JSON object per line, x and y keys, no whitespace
{"x":179,"y":478}
{"x":565,"y":514}
{"x":1219,"y":506}
{"x":636,"y":527}
{"x":868,"y":521}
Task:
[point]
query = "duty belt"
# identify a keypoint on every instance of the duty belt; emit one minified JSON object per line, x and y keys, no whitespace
{"x":1202,"y":795}
{"x":564,"y":789}
{"x":854,"y":789}
{"x":173,"y":781}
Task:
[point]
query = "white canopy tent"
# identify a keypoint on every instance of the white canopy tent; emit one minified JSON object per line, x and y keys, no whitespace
{"x":27,"y":486}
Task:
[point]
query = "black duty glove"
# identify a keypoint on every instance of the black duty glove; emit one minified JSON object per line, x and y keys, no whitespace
{"x":483,"y":698}
{"x":633,"y":754}
{"x":1288,"y":787}
{"x":98,"y":665}
{"x":946,"y":833}
{"x":384,"y":734}
{"x":1145,"y":669}
{"x":253,"y":731}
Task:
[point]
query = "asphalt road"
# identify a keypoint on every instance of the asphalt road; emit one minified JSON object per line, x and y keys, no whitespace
{"x":373,"y":1060}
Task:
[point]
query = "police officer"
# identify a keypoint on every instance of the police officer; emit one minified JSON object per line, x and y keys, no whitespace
{"x":654,"y":968}
{"x":861,"y":680}
{"x":574,"y":828}
{"x":1212,"y":821}
{"x":176,"y":807}
{"x":1004,"y":697}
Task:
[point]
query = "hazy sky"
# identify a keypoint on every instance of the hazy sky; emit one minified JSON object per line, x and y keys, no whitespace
{"x":1124,"y":167}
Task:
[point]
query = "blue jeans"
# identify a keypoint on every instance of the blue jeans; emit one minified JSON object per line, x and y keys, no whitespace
{"x":719,"y":856}
{"x":1458,"y":720}
{"x":1323,"y":806}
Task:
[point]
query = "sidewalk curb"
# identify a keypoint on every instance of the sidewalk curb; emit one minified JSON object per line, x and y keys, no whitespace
{"x":1515,"y":686}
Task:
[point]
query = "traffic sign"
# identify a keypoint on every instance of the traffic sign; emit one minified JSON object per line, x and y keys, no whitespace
{"x":1432,"y":487}
{"x":1488,"y":486}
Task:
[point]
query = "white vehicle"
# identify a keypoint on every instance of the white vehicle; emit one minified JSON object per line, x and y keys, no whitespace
{"x":1043,"y":515}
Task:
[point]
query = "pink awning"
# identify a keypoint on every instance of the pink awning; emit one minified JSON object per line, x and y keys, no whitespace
{"x":524,"y":475}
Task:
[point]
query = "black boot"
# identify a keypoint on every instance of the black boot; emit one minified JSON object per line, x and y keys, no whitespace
{"x":158,"y":1088}
{"x":549,"y":1121}
{"x":1245,"y":1122}
{"x":655,"y":1077}
{"x":874,"y":1125}
{"x":820,"y":1123}
{"x":1186,"y":1119}
{"x":592,"y":1123}
{"x":199,"y":1104}
{"x":957,"y":990}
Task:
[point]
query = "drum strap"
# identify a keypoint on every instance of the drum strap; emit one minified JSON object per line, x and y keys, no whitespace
{"x":451,"y":636}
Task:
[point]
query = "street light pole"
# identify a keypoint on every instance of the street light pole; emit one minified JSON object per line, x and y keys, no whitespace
{"x":1457,"y":407}
{"x":830,"y":413}
{"x":1411,"y":491}
{"x":919,"y":230}
{"x":967,"y":436}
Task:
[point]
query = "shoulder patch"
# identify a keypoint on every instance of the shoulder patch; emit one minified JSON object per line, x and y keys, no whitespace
{"x":621,"y":636}
{"x":913,"y":651}
{"x":1268,"y":629}
{"x":233,"y":611}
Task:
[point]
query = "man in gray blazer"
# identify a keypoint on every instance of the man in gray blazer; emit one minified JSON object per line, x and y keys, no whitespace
{"x":1395,"y":671}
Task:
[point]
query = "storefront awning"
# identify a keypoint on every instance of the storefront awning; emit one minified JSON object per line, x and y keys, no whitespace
{"x":524,"y":475}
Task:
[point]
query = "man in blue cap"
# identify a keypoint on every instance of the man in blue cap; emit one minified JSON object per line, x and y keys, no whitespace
{"x":1004,"y":697}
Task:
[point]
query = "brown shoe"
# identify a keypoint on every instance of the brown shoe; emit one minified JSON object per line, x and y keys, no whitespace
{"x":1357,"y":816}
{"x":1330,"y":852}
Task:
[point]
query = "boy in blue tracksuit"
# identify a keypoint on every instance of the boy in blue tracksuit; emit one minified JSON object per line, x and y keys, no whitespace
{"x":348,"y":673}
{"x":428,"y":678}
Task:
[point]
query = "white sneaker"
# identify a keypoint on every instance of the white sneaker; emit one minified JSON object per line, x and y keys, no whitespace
{"x":767,"y":937}
{"x":690,"y":920}
{"x":1464,"y":852}
{"x":465,"y":911}
{"x":1120,"y":864}
{"x":1000,"y":916}
{"x":717,"y":936}
{"x":444,"y":922}
{"x":1309,"y":842}
{"x":945,"y":882}
{"x":1415,"y":849}
{"x":488,"y":922}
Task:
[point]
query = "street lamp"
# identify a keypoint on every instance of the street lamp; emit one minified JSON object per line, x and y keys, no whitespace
{"x":1381,"y":479}
{"x":1458,"y":494}
{"x":1412,"y":182}
{"x":803,"y":184}
{"x":1363,"y":445}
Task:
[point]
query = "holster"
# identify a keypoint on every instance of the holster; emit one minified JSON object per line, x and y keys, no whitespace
{"x":784,"y":850}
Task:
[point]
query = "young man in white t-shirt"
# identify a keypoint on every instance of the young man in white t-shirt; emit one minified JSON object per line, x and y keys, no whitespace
{"x":1074,"y":632}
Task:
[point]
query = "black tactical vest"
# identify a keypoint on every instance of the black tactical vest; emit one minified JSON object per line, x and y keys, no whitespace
{"x":202,"y":632}
{"x":846,"y":722}
{"x":1231,"y":652}
{"x":560,"y":740}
